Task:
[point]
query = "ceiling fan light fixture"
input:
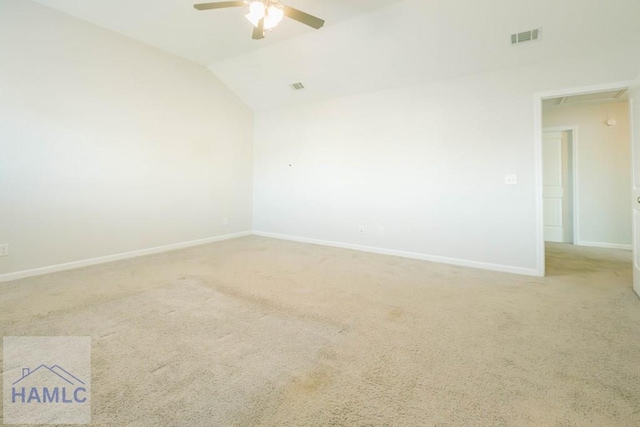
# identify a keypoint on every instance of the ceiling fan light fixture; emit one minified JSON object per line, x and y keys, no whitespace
{"x":273,"y":17}
{"x":265,"y":14}
{"x":257,"y":11}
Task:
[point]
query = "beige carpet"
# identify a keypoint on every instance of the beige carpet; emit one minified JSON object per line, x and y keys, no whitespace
{"x":261,"y":332}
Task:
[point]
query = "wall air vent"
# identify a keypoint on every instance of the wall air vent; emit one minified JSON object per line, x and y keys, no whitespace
{"x":297,"y":86}
{"x":527,"y":36}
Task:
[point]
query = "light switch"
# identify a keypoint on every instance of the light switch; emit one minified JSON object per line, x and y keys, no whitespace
{"x":511,"y":179}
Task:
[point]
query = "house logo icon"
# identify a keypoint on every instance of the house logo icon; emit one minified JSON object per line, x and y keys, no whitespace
{"x":46,"y":380}
{"x":46,"y":385}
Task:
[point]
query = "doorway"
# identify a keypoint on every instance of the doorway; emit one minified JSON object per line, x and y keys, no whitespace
{"x":562,"y":163}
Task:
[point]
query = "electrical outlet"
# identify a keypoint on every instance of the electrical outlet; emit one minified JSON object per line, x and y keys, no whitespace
{"x":381,"y":231}
{"x":225,"y":221}
{"x":4,"y":249}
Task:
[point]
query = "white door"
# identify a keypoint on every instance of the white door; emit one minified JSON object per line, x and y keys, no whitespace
{"x":556,"y":195}
{"x":634,"y":105}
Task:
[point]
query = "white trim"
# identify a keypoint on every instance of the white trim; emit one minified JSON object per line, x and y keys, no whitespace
{"x":539,"y":186}
{"x":116,"y":257}
{"x":537,"y":140}
{"x":574,"y":175}
{"x":403,"y":254}
{"x":606,"y":87}
{"x":605,"y":245}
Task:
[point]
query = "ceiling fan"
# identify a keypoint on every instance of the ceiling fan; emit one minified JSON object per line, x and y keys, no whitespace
{"x":266,"y":14}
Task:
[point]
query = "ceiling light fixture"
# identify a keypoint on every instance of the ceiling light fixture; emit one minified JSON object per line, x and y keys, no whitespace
{"x":256,"y":12}
{"x":265,"y":14}
{"x":269,"y":10}
{"x":273,"y":17}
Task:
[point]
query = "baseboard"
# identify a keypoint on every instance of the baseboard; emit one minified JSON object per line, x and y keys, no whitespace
{"x":605,"y":245}
{"x":403,"y":254}
{"x":116,"y":257}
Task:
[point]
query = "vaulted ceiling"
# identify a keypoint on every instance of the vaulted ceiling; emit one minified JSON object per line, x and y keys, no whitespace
{"x":366,"y":45}
{"x":208,"y":36}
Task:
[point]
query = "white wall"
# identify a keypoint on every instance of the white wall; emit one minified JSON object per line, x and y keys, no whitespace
{"x":426,"y":162}
{"x":109,"y":146}
{"x":603,"y":170}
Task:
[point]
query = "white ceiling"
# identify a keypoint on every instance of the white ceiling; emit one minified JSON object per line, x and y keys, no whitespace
{"x":205,"y":37}
{"x":367,"y":45}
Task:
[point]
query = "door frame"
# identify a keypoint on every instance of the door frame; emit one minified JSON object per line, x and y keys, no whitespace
{"x":537,"y":121}
{"x":574,"y":176}
{"x":635,"y":134}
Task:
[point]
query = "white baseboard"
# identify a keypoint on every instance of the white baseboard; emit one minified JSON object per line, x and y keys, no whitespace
{"x":605,"y":245}
{"x":403,"y":254}
{"x":116,"y":257}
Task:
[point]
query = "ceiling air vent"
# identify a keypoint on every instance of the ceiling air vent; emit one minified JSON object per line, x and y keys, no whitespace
{"x":527,"y":36}
{"x":297,"y":86}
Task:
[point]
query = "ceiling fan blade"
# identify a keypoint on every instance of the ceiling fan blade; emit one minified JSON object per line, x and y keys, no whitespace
{"x":258,"y":32}
{"x":305,"y":18}
{"x":219,"y":5}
